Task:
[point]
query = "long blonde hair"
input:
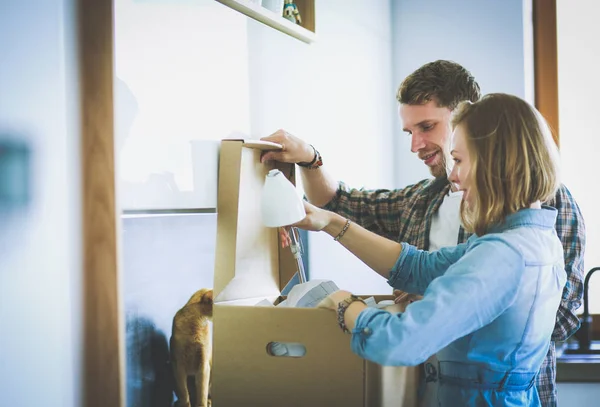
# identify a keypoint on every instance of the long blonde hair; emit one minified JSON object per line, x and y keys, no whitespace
{"x":514,"y":160}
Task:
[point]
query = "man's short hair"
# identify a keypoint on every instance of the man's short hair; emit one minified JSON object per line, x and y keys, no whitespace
{"x":446,"y":82}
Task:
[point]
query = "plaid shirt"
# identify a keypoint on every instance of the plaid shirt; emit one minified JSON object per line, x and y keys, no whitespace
{"x":405,"y":215}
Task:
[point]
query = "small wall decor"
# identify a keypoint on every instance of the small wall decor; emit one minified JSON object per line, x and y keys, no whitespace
{"x":291,"y":12}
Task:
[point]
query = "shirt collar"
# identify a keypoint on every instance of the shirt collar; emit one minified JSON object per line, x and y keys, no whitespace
{"x":544,"y":218}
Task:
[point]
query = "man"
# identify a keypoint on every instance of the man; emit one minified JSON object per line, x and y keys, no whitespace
{"x":426,"y":214}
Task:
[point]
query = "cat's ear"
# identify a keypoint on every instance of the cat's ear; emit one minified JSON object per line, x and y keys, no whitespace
{"x":208,"y":297}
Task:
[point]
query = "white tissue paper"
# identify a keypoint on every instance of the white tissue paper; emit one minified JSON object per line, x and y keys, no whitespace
{"x":310,"y":294}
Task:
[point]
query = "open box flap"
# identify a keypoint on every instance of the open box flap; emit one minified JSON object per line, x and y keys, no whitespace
{"x":249,"y":262}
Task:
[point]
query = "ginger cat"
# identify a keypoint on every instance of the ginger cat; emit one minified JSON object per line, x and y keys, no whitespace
{"x":191,"y":348}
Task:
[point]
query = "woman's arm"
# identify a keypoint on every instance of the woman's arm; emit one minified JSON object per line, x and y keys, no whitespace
{"x":416,"y":269}
{"x":377,"y":252}
{"x":409,"y":267}
{"x":471,"y":294}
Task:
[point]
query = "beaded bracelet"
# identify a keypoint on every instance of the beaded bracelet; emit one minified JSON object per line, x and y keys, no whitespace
{"x":341,"y":310}
{"x":346,"y":226}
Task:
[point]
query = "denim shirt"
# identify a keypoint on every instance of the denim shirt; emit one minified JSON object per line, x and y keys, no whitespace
{"x":488,"y":310}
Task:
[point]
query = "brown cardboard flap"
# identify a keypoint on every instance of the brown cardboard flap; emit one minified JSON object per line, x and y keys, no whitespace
{"x":262,"y":145}
{"x":248,"y":263}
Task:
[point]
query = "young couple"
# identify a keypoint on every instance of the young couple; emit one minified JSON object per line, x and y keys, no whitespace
{"x":497,"y":288}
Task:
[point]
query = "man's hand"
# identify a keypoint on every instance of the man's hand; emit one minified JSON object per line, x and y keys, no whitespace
{"x":404,"y":298}
{"x":294,"y":150}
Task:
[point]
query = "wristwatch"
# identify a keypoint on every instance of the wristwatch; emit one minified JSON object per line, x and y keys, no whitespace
{"x":315,"y":163}
{"x":341,"y":310}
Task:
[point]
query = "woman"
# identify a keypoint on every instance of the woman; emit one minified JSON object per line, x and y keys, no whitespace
{"x":489,"y":305}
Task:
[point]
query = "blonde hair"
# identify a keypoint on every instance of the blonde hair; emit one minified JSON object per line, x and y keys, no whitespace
{"x":514,"y":160}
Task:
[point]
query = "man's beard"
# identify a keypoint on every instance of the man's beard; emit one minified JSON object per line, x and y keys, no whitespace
{"x":440,"y":170}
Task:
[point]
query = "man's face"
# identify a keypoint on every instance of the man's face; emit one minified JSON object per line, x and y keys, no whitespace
{"x":429,"y":128}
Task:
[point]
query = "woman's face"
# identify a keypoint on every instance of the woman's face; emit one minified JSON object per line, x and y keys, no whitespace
{"x":462,"y":165}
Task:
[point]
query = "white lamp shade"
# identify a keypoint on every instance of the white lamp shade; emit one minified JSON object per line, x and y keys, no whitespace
{"x":281,"y":205}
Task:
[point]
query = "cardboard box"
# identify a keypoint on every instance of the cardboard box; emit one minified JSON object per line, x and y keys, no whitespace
{"x":250,"y":266}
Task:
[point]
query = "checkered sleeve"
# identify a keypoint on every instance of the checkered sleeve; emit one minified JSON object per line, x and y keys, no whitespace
{"x":378,"y":210}
{"x":546,"y":379}
{"x":570,"y":228}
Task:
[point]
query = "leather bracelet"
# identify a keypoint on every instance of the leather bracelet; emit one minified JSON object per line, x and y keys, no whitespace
{"x":316,"y":162}
{"x":341,"y":310}
{"x":344,"y":229}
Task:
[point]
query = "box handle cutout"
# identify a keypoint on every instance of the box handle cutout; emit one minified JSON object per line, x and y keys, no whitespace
{"x":286,"y":349}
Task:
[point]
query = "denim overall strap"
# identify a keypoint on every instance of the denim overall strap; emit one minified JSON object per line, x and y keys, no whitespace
{"x":477,"y":377}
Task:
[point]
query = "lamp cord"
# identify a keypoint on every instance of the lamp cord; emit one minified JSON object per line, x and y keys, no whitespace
{"x":296,"y":248}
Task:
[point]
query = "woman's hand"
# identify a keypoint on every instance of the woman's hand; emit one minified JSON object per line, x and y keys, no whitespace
{"x":294,"y":150}
{"x":332,"y":300}
{"x":316,"y":220}
{"x":352,"y":311}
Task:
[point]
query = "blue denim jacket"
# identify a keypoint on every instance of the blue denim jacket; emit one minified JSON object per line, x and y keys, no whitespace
{"x":488,"y":312}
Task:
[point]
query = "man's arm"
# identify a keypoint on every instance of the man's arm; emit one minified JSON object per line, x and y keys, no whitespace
{"x":570,"y":228}
{"x":319,"y":186}
{"x":379,"y":211}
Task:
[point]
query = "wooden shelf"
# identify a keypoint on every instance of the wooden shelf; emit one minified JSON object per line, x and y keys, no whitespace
{"x":305,"y":32}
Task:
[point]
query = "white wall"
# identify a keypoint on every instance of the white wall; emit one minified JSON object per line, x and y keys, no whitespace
{"x":181,"y":81}
{"x":486,"y":37}
{"x":578,"y":90}
{"x":199,"y":70}
{"x":336,"y":93}
{"x":39,"y":244}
